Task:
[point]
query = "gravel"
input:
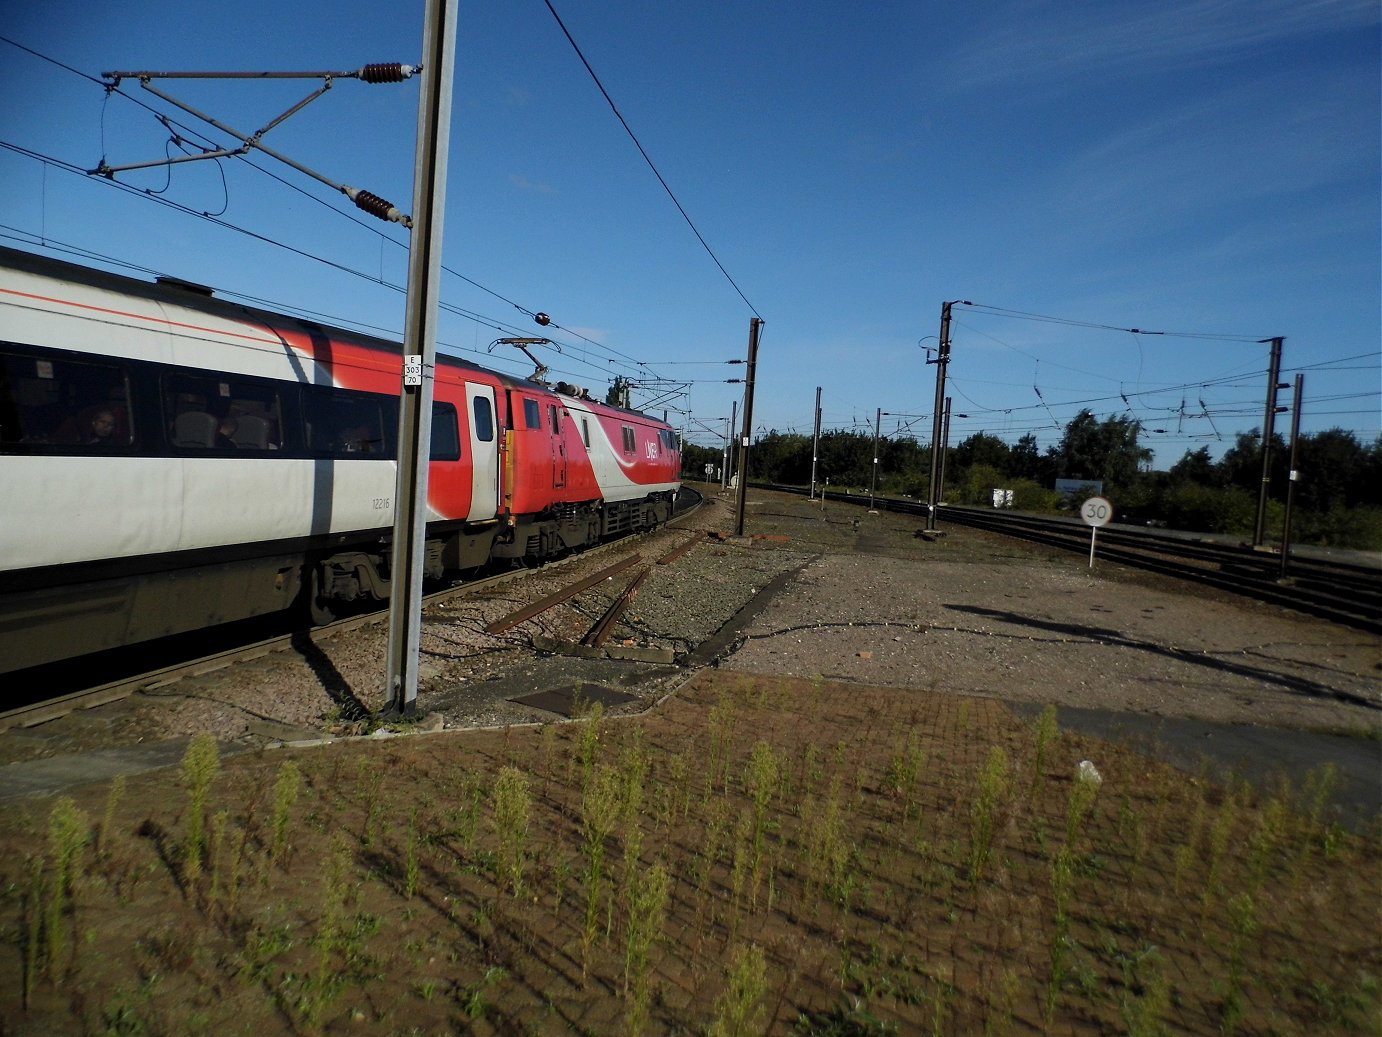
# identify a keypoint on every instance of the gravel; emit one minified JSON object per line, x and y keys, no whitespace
{"x":864,"y":599}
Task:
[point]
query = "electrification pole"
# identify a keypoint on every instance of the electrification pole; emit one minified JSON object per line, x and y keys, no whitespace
{"x":816,"y":444}
{"x":1268,"y":427}
{"x":755,"y":328}
{"x":731,"y":453}
{"x":1295,"y":475}
{"x":873,"y":479}
{"x":941,"y":361}
{"x":420,"y":347}
{"x":945,"y":449}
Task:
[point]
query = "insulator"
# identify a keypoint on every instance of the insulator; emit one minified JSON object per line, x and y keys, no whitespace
{"x":384,"y":72}
{"x":376,"y":206}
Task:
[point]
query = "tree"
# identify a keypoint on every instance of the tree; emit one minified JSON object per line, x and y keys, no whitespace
{"x":983,"y":449}
{"x":1197,"y":467}
{"x":1330,"y":464}
{"x":1106,"y":450}
{"x":1025,"y":461}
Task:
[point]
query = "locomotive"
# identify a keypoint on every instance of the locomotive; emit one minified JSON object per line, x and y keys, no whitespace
{"x":171,"y":460}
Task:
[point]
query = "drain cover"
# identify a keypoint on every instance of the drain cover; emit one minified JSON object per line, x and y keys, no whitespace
{"x":563,"y":701}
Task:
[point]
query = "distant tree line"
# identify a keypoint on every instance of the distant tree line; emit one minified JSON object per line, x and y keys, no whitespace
{"x":1338,"y":498}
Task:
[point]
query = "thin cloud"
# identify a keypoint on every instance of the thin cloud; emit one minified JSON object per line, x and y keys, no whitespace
{"x":1055,"y":42}
{"x":524,"y":184}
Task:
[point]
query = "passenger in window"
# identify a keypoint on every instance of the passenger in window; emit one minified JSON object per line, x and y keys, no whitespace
{"x":102,"y":431}
{"x":357,"y":439}
{"x":225,"y":433}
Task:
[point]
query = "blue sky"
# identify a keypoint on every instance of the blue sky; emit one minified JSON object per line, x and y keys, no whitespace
{"x":1208,"y":167}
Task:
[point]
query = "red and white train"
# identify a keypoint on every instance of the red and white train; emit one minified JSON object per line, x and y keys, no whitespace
{"x":170,"y":460}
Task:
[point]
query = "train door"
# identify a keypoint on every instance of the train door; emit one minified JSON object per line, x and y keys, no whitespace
{"x":558,"y":448}
{"x":484,"y":452}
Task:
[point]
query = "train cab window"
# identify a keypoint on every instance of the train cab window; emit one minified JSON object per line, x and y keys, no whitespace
{"x":446,"y":435}
{"x":585,"y":432}
{"x":552,"y":413}
{"x":70,"y":404}
{"x":629,"y":441}
{"x":484,"y":419}
{"x":222,"y":413}
{"x":532,"y":413}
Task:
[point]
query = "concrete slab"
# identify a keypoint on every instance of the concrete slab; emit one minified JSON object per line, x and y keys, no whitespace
{"x":1259,"y":755}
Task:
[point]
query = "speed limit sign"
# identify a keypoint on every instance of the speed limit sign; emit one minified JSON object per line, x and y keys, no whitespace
{"x":1096,"y":512}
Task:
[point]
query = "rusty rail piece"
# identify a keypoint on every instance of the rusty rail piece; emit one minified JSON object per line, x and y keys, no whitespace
{"x":599,"y":633}
{"x":672,"y":555}
{"x":529,"y":611}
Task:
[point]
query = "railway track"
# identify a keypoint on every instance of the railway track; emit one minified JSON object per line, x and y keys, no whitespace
{"x":1340,"y":591}
{"x":39,"y":712}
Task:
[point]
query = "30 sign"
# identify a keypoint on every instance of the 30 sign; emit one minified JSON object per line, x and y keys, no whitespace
{"x":1096,"y":512}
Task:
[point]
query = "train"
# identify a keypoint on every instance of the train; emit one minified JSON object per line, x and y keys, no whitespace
{"x":171,"y":460}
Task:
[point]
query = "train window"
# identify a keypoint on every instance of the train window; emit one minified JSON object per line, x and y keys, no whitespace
{"x":552,"y":413}
{"x":342,"y":422}
{"x":629,"y":442}
{"x":446,"y":435}
{"x":65,"y":403}
{"x":222,"y":413}
{"x":585,"y":432}
{"x":484,"y":420}
{"x":532,"y":413}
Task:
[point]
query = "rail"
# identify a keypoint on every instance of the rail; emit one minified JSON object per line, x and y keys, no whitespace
{"x":1342,"y":592}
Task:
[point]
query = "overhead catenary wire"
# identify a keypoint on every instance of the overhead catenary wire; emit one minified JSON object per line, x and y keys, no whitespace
{"x":648,"y":159}
{"x":618,"y":359}
{"x":180,"y":131}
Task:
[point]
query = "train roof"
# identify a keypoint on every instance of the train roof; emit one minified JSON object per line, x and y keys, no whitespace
{"x":203,"y":298}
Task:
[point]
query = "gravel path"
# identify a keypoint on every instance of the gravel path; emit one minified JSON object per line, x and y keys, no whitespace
{"x":864,"y":600}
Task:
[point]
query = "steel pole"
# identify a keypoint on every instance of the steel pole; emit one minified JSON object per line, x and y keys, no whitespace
{"x":1268,"y":429}
{"x":755,"y":328}
{"x":420,"y":340}
{"x":1295,"y":475}
{"x":942,"y":359}
{"x":815,"y":443}
{"x":945,"y":452}
{"x":873,"y":480}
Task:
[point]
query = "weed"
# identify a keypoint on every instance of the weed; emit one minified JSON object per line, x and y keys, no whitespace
{"x":512,"y":807}
{"x":590,"y":740}
{"x":410,"y":866}
{"x":321,"y":988}
{"x":998,"y":1021}
{"x":369,"y":779}
{"x":1146,"y":997}
{"x":113,"y":798}
{"x":599,"y":812}
{"x":722,"y":721}
{"x":1219,"y":833}
{"x":67,"y":833}
{"x":285,"y":795}
{"x":647,"y":910}
{"x":904,"y":769}
{"x":200,"y":765}
{"x":992,"y":795}
{"x":739,"y":1011}
{"x":474,"y":1000}
{"x":1242,"y":913}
